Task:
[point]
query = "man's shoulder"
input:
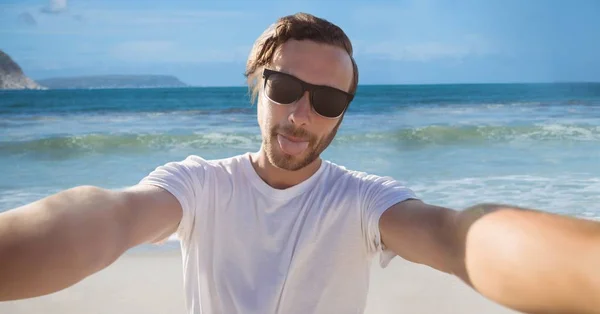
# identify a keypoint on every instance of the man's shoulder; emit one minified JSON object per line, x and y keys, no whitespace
{"x":361,"y":182}
{"x":367,"y":188}
{"x":226,"y":162}
{"x":342,"y":173}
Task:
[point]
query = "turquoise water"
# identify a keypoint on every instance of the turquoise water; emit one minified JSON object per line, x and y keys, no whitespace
{"x":534,"y":145}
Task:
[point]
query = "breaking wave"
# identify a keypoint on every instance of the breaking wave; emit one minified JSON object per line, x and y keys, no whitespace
{"x":437,"y":135}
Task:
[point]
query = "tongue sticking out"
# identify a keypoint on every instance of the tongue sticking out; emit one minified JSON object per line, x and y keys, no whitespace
{"x":290,"y":147}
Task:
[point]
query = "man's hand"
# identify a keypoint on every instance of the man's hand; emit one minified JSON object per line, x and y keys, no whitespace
{"x":527,"y":260}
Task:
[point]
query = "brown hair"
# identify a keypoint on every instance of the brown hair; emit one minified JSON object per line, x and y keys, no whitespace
{"x":300,"y":26}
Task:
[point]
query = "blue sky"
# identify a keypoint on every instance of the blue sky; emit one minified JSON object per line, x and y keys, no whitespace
{"x":396,"y":42}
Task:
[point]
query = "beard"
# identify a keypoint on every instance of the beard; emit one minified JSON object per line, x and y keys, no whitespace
{"x":293,"y":163}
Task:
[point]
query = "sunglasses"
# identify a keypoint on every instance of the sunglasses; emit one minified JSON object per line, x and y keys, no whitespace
{"x":286,"y":89}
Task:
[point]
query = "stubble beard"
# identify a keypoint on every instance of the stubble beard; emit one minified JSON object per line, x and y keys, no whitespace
{"x":284,"y":161}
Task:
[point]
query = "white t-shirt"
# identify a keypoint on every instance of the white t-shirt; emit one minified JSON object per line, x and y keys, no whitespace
{"x":249,"y":248}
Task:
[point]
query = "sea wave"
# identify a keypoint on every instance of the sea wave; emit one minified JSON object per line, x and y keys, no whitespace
{"x":436,"y":135}
{"x":471,"y":134}
{"x":575,"y":194}
{"x":124,"y":143}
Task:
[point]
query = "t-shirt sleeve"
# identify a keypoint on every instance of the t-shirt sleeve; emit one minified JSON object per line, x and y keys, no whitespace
{"x":379,"y":194}
{"x":183,"y":179}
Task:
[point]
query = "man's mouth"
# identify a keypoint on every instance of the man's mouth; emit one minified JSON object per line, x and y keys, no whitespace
{"x":292,"y":145}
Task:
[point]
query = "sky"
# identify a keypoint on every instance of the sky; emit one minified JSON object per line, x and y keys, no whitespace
{"x":206,"y":43}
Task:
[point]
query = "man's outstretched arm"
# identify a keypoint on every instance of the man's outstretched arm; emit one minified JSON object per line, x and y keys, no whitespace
{"x":527,"y":260}
{"x":55,"y":242}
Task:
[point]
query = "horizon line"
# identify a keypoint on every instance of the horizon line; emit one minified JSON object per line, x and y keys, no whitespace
{"x":441,"y":83}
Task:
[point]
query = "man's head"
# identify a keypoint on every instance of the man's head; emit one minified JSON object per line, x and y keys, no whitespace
{"x":316,"y":52}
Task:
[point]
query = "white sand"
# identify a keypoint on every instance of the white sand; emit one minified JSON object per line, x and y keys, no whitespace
{"x":151,"y":282}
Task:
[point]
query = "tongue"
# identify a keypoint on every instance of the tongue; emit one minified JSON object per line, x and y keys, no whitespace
{"x":291,"y":147}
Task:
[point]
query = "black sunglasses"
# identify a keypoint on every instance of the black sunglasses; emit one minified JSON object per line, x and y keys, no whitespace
{"x":286,"y":89}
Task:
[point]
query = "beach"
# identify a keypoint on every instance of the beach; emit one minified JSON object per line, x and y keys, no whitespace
{"x":530,"y":145}
{"x":151,"y":282}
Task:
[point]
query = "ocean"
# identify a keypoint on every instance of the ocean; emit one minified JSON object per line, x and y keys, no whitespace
{"x":531,"y":145}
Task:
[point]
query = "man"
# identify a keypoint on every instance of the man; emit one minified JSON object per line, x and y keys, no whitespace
{"x":283,"y":231}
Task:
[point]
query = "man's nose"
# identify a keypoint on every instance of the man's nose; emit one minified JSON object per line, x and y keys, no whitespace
{"x":300,"y":114}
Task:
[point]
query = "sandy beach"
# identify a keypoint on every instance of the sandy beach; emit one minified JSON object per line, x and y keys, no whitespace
{"x":151,"y":282}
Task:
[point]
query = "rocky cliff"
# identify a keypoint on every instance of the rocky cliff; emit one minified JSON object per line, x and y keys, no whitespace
{"x":12,"y":76}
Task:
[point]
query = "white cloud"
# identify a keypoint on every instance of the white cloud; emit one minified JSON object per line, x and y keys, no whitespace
{"x":160,"y":51}
{"x":423,"y":31}
{"x":144,"y":50}
{"x":168,"y":17}
{"x":55,"y":7}
{"x":467,"y":46}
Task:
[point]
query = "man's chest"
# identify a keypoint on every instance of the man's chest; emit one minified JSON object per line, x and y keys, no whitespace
{"x":265,"y":254}
{"x":271,"y":238}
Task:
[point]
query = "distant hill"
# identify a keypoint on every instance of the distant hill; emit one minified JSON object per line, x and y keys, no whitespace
{"x":12,"y":76}
{"x":112,"y":81}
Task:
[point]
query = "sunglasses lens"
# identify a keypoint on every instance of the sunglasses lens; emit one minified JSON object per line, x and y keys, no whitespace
{"x":283,"y":89}
{"x":329,"y":102}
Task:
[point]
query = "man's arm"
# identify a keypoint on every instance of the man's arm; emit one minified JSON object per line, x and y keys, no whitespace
{"x":527,"y":260}
{"x":55,"y":242}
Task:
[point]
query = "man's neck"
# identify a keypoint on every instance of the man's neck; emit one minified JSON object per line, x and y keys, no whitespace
{"x":280,"y":178}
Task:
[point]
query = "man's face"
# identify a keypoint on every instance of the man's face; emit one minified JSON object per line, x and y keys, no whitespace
{"x":294,"y":135}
